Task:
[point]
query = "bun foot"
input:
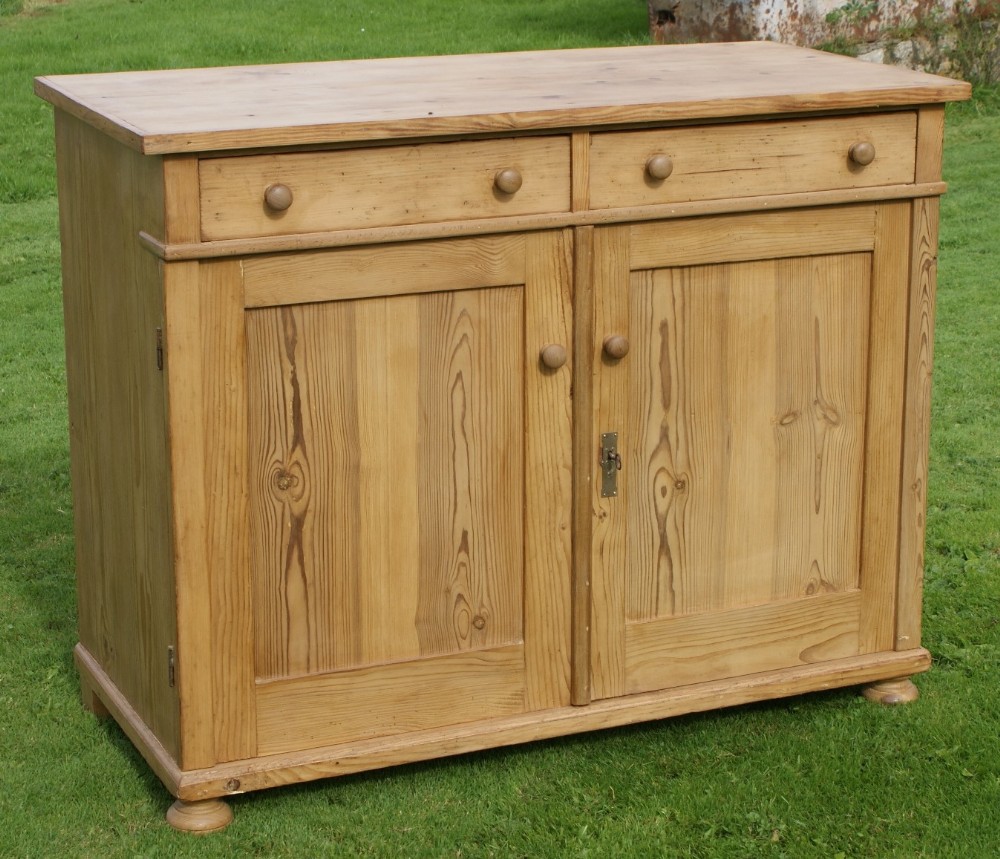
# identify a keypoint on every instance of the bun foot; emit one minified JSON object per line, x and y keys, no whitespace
{"x":900,"y":691}
{"x":206,"y":815}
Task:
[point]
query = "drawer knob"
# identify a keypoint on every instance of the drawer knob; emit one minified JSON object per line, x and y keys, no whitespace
{"x":278,"y":197}
{"x":507,"y":181}
{"x":616,"y":346}
{"x":862,"y":153}
{"x":659,"y":167}
{"x":553,"y":356}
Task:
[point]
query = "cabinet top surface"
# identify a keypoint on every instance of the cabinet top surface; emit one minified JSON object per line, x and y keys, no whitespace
{"x":195,"y":110}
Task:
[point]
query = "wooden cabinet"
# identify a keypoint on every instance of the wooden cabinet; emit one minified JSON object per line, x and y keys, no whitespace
{"x":415,"y":420}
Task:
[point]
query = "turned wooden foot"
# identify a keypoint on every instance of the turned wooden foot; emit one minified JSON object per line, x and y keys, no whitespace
{"x":206,"y":815}
{"x":899,"y":691}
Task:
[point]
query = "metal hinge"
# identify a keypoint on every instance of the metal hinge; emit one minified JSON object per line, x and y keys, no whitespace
{"x":159,"y":348}
{"x":611,"y":464}
{"x":171,"y":667}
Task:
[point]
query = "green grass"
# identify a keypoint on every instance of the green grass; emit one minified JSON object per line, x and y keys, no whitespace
{"x":826,"y":775}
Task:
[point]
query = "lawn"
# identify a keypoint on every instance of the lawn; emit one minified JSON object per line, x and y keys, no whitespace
{"x":827,"y":775}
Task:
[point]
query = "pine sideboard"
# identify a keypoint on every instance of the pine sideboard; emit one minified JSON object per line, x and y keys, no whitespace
{"x":425,"y":405}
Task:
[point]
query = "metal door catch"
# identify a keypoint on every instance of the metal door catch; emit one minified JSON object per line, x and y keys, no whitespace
{"x":611,"y":464}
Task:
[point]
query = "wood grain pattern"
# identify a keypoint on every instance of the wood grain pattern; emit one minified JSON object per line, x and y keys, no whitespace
{"x":712,"y":646}
{"x":580,"y":170}
{"x":916,"y":426}
{"x":290,"y":768}
{"x":745,"y":433}
{"x":215,"y":109}
{"x":348,"y":758}
{"x":731,"y":238}
{"x":402,"y":269}
{"x":750,"y":159}
{"x":182,"y":217}
{"x":385,"y":186}
{"x":434,"y":406}
{"x":225,"y":479}
{"x":608,"y":552}
{"x":390,"y":699}
{"x":741,"y":408}
{"x":362,"y":408}
{"x":113,"y":304}
{"x":583,"y":452}
{"x":883,"y":443}
{"x":481,"y":227}
{"x":548,"y":477}
{"x":184,"y":368}
{"x":930,"y":143}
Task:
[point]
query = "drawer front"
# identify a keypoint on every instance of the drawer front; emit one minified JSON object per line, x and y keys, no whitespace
{"x":381,"y":187}
{"x":751,"y":159}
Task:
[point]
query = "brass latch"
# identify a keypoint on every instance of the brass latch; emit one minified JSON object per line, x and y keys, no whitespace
{"x":611,"y":464}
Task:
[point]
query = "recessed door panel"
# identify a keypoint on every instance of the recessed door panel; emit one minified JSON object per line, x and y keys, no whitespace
{"x":749,"y":529}
{"x":386,"y":519}
{"x":746,"y":440}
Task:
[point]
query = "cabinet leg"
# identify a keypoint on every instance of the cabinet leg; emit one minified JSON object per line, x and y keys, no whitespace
{"x":91,"y":702}
{"x":206,"y":815}
{"x":898,"y":691}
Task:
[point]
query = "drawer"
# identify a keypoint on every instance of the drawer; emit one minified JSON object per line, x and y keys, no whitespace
{"x":381,"y":186}
{"x":751,"y":159}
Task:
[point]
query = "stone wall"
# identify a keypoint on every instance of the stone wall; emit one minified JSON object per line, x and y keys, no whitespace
{"x":801,"y":22}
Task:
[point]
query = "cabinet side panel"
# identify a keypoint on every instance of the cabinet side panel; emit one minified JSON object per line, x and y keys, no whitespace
{"x":113,"y":304}
{"x":916,"y":429}
{"x":919,"y":360}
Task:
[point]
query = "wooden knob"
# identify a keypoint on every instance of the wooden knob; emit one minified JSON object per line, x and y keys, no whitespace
{"x":507,"y":181}
{"x":659,"y":167}
{"x":862,"y":153}
{"x":278,"y":197}
{"x":553,"y":356}
{"x":616,"y":346}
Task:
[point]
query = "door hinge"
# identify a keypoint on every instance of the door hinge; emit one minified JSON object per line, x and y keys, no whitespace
{"x":171,"y":667}
{"x":159,"y":348}
{"x":611,"y":464}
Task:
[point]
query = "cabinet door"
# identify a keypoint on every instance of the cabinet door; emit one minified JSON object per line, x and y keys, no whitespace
{"x":758,"y":413}
{"x":406,"y":463}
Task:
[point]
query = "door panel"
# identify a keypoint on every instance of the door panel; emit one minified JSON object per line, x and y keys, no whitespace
{"x":746,"y":432}
{"x":392,"y":560}
{"x":410,"y":404}
{"x":736,"y":542}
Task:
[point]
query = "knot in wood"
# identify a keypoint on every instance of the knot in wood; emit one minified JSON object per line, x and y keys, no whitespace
{"x":284,"y":480}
